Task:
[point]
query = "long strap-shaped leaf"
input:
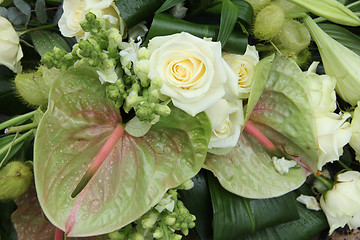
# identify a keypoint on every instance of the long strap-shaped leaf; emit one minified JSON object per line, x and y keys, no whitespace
{"x":229,"y":15}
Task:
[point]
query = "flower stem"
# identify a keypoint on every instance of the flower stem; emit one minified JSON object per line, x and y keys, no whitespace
{"x":327,"y":182}
{"x":17,"y":120}
{"x":35,"y":29}
{"x":20,"y":128}
{"x":16,"y":141}
{"x":344,"y":166}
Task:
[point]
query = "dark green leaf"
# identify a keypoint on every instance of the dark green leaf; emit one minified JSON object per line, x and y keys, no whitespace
{"x":168,"y":4}
{"x":14,"y":16}
{"x":9,"y":102}
{"x":136,"y":11}
{"x":355,"y":7}
{"x":229,"y":14}
{"x":164,"y":24}
{"x":342,"y":35}
{"x":23,"y":6}
{"x":4,"y":12}
{"x":41,"y":11}
{"x":235,"y":216}
{"x":198,"y":201}
{"x":7,"y":230}
{"x":245,"y":10}
{"x":45,"y":41}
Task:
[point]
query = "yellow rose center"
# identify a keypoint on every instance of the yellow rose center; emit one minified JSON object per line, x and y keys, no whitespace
{"x":185,"y":72}
{"x":224,"y":129}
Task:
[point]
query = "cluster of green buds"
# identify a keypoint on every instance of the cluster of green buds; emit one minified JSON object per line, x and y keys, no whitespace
{"x":165,"y":221}
{"x":135,"y":90}
{"x":99,"y":49}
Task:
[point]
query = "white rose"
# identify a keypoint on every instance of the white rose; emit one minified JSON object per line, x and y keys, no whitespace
{"x":10,"y":49}
{"x":226,"y":119}
{"x":332,"y":130}
{"x":75,"y":11}
{"x":333,"y":134}
{"x":244,"y":68}
{"x":355,"y":126}
{"x":341,"y":204}
{"x":323,"y":96}
{"x":193,"y":72}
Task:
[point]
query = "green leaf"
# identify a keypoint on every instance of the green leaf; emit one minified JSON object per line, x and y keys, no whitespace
{"x":134,"y":176}
{"x":235,"y":216}
{"x":198,"y":201}
{"x":164,"y":24}
{"x":284,"y":115}
{"x":23,"y":6}
{"x":45,"y":41}
{"x":229,"y":14}
{"x":343,"y":36}
{"x":262,"y":70}
{"x":40,"y":10}
{"x":136,"y":11}
{"x":313,"y":221}
{"x":9,"y":102}
{"x":245,"y":10}
{"x":168,"y":4}
{"x":14,"y":16}
{"x":7,"y":230}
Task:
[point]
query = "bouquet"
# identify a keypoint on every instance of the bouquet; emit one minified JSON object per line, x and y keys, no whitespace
{"x":174,"y":119}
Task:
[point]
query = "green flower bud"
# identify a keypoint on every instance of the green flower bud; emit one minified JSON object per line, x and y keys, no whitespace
{"x":185,"y":231}
{"x":177,"y":237}
{"x":115,"y":236}
{"x":191,"y":225}
{"x":187,"y":185}
{"x":15,"y":179}
{"x":162,"y":110}
{"x":141,"y":69}
{"x":170,"y":220}
{"x":158,"y":234}
{"x":150,"y":219}
{"x":258,"y":4}
{"x":137,"y":236}
{"x":268,"y":22}
{"x":157,"y":83}
{"x":133,"y":99}
{"x":143,"y":53}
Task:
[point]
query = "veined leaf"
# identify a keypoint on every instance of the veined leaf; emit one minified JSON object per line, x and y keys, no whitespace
{"x":164,"y":24}
{"x":168,"y":4}
{"x":343,"y":36}
{"x":31,"y":224}
{"x":245,"y":10}
{"x":229,"y":15}
{"x":284,"y":115}
{"x":135,"y":174}
{"x":235,"y":216}
{"x":45,"y":41}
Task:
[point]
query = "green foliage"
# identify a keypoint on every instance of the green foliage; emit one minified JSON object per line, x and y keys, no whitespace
{"x":164,"y":24}
{"x":45,"y":41}
{"x":40,"y":11}
{"x":168,"y":4}
{"x":229,"y":15}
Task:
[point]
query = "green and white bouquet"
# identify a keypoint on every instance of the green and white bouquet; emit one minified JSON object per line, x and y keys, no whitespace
{"x":148,"y":119}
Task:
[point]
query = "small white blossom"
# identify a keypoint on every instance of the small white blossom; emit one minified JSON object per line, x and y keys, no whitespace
{"x":283,"y":165}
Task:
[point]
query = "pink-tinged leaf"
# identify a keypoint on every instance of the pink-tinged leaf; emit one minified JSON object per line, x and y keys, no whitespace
{"x":129,"y":180}
{"x":282,"y":117}
{"x":30,"y":223}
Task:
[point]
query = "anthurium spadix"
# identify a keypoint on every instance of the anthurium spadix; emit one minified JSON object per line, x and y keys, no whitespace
{"x":339,"y":62}
{"x":332,"y":10}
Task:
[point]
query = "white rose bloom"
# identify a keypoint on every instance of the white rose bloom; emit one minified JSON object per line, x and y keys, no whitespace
{"x":244,"y":68}
{"x":10,"y":49}
{"x":193,"y":72}
{"x":333,"y":134}
{"x":75,"y":11}
{"x":226,"y":119}
{"x":323,"y":96}
{"x":332,"y":130}
{"x":355,"y":126}
{"x":341,"y":204}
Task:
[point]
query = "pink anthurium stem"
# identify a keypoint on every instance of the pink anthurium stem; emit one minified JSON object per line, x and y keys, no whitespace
{"x":100,"y":158}
{"x":59,"y":235}
{"x":253,"y":131}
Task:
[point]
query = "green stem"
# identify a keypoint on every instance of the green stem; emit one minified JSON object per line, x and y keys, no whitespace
{"x":327,"y":182}
{"x":4,"y":149}
{"x":17,"y":120}
{"x":344,"y":166}
{"x":21,"y":128}
{"x":36,"y":29}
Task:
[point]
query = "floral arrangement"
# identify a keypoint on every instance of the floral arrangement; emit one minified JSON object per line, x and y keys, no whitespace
{"x":173,"y":119}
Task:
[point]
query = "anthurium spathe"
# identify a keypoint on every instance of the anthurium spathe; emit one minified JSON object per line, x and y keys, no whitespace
{"x":339,"y":62}
{"x":92,"y":177}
